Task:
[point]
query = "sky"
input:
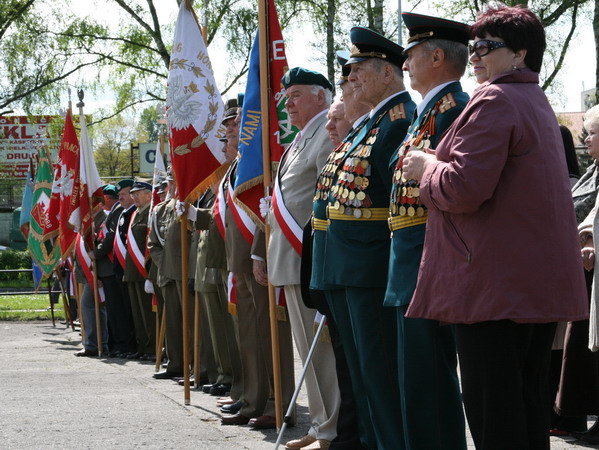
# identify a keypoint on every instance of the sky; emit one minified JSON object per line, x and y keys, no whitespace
{"x":578,"y":71}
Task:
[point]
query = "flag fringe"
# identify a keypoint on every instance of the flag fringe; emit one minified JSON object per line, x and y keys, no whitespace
{"x":214,"y":177}
{"x":246,"y":186}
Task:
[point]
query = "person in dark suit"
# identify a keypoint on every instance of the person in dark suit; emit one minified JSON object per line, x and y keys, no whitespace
{"x":136,"y":273}
{"x":353,"y":267}
{"x":431,"y":401}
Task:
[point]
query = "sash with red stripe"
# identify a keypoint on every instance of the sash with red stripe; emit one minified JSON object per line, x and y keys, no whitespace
{"x":246,"y":226}
{"x":133,"y":249}
{"x":290,"y":228}
{"x":219,"y":208}
{"x":120,"y":249}
{"x":86,"y":265}
{"x":103,"y":232}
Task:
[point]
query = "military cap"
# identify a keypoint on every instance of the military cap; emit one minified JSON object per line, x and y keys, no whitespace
{"x":230,"y":109}
{"x":301,"y":76}
{"x":370,"y":44}
{"x":140,"y":186}
{"x":127,"y":182}
{"x":342,"y":57}
{"x":423,"y":28}
{"x":240,"y":98}
{"x":110,"y":189}
{"x":162,"y":187}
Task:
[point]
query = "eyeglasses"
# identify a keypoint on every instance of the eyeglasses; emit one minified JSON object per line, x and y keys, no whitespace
{"x":484,"y":46}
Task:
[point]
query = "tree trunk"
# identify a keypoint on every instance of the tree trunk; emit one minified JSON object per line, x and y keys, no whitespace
{"x":331,"y":60}
{"x":378,"y":16}
{"x":596,"y":33}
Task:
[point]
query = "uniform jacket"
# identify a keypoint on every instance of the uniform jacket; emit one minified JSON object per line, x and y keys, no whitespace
{"x":299,"y":168}
{"x":237,"y":248}
{"x":156,"y":242}
{"x":501,"y":239}
{"x":139,"y":227}
{"x":105,"y":246}
{"x":407,"y":243}
{"x":357,"y":251}
{"x":103,"y":264}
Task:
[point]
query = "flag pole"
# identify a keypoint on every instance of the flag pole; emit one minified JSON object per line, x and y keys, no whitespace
{"x":51,"y":304}
{"x":67,"y":311}
{"x":265,"y":107}
{"x":80,"y":105}
{"x":185,"y":306}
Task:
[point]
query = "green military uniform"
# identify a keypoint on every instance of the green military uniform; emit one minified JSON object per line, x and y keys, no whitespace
{"x":354,"y":264}
{"x":431,"y":401}
{"x":141,"y":302}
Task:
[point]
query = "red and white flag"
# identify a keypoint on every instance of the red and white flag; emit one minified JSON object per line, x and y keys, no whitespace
{"x":90,"y":186}
{"x":194,"y":111}
{"x":65,"y":190}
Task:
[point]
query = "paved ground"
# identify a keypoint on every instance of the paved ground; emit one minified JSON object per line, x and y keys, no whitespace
{"x":50,"y":399}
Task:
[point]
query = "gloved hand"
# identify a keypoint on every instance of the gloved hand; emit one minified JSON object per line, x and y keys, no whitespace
{"x":192,"y":212}
{"x":148,"y":287}
{"x":265,"y":205}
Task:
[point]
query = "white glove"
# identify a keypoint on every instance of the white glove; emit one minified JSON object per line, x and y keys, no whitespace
{"x":148,"y":287}
{"x":179,"y":208}
{"x":192,"y":213}
{"x":265,"y":205}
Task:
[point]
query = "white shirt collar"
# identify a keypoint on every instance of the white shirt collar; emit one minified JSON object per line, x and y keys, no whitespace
{"x":430,"y":94}
{"x":380,"y":105}
{"x":359,"y":120}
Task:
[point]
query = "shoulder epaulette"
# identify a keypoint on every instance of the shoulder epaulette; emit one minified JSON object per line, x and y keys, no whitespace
{"x":397,"y":112}
{"x":447,"y":102}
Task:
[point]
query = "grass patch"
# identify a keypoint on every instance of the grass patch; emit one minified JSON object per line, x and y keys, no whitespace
{"x":22,"y":284}
{"x":28,"y":307}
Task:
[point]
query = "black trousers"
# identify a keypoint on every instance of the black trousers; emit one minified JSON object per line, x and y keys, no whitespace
{"x":505,"y":383}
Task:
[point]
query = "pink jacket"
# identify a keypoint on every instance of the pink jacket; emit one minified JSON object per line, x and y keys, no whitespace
{"x":501,"y":238}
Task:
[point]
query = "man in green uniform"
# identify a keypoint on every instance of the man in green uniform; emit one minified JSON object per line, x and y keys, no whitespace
{"x":136,"y":273}
{"x":431,"y":403}
{"x":354,"y":269}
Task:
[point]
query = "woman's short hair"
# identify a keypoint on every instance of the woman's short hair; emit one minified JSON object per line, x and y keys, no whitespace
{"x":519,"y":27}
{"x":571,"y":158}
{"x":591,"y":117}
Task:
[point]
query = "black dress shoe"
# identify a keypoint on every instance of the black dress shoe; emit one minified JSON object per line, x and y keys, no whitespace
{"x":148,"y":357}
{"x":588,"y":438}
{"x":220,"y":389}
{"x":233,"y":408}
{"x":206,"y":387}
{"x":87,"y":353}
{"x":166,"y":375}
{"x":135,"y":355}
{"x":237,"y":419}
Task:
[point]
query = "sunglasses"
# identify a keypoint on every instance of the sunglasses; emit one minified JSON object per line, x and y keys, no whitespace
{"x":484,"y":47}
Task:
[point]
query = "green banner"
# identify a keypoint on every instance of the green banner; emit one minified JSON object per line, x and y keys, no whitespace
{"x":43,"y":251}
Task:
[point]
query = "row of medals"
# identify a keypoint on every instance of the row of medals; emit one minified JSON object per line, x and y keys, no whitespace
{"x":352,"y":180}
{"x":405,"y":195}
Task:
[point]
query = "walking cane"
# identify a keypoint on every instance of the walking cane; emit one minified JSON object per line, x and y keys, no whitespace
{"x":288,"y":415}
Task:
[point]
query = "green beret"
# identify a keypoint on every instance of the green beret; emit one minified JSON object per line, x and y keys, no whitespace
{"x":370,"y":44}
{"x":127,"y":182}
{"x":422,"y":28}
{"x":299,"y":75}
{"x":110,"y":189}
{"x":342,"y":57}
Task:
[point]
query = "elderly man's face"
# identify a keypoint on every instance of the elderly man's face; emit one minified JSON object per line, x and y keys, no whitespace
{"x":141,"y":198}
{"x":232,"y":131}
{"x":366,"y":82}
{"x":419,"y":67}
{"x":302,"y":104}
{"x":337,"y":125}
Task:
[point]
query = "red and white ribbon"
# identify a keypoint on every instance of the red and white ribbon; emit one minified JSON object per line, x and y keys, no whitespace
{"x":290,"y":228}
{"x":86,"y":264}
{"x":219,"y":208}
{"x":246,"y":226}
{"x":134,"y":251}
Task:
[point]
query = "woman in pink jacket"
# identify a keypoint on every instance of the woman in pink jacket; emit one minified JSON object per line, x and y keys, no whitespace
{"x":501,"y":255}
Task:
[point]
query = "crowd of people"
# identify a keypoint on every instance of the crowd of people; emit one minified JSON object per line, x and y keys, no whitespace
{"x":433,"y":231}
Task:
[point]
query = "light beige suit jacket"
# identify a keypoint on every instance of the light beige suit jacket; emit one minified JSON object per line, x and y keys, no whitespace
{"x":297,"y":175}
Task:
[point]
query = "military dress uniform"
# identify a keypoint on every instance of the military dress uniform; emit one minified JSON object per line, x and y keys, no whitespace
{"x":354,"y":265}
{"x":141,"y":302}
{"x":431,"y":399}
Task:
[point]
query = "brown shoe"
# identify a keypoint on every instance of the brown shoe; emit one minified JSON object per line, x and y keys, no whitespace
{"x":263,"y":422}
{"x":300,"y":443}
{"x":320,"y":444}
{"x":237,"y":419}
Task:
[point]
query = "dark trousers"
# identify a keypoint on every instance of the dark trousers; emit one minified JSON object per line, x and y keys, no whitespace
{"x":431,"y":402}
{"x":348,"y":436}
{"x":505,"y":382}
{"x":120,"y":320}
{"x":369,"y":335}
